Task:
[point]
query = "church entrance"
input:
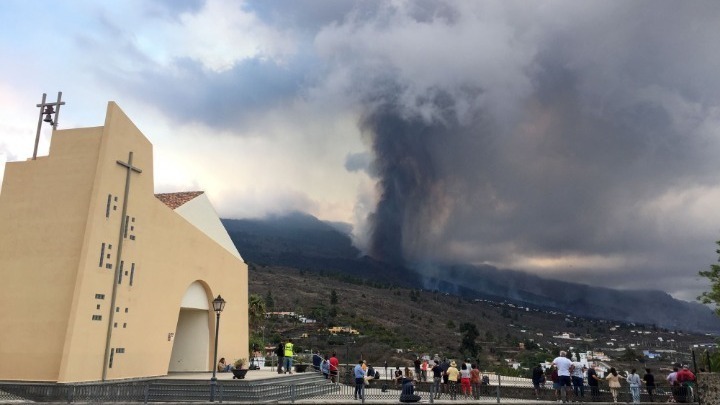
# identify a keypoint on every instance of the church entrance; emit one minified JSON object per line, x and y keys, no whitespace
{"x":191,"y":346}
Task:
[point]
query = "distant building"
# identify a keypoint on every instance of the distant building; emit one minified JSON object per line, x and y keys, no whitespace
{"x":288,"y":314}
{"x":650,"y":355}
{"x":343,"y":329}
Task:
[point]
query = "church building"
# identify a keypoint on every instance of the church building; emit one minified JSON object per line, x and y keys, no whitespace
{"x":101,"y":278}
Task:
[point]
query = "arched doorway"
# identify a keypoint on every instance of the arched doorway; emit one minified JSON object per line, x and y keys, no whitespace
{"x":191,"y":347}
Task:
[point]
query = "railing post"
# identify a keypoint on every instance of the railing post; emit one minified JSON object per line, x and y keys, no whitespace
{"x":292,"y":393}
{"x":147,"y":392}
{"x":498,"y":388}
{"x":432,"y":392}
{"x":221,"y":392}
{"x":707,"y":356}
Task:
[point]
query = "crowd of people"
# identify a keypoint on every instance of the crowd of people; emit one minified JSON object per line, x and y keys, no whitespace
{"x":568,"y":378}
{"x":447,"y":378}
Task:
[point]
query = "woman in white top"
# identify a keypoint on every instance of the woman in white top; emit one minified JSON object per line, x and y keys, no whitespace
{"x":613,"y":382}
{"x":465,"y":381}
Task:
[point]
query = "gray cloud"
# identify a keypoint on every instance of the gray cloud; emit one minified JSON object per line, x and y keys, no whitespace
{"x":307,"y":15}
{"x":170,"y":10}
{"x":357,"y":162}
{"x":230,"y":99}
{"x":575,"y":139}
{"x":568,"y":153}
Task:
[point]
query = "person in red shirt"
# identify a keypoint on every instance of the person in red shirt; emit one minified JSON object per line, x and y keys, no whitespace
{"x":334,"y":367}
{"x":684,"y":392}
{"x":685,"y":375}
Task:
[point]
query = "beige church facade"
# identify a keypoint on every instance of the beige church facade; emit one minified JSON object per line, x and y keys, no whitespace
{"x":101,"y":279}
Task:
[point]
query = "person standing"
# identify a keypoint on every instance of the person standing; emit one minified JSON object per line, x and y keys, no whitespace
{"x":437,"y":377}
{"x":445,"y":365}
{"x":634,"y":380}
{"x":359,"y":380}
{"x":538,"y":375}
{"x":613,"y":383}
{"x":317,"y":360}
{"x":563,"y":368}
{"x":649,"y":380}
{"x":555,"y":382}
{"x":685,"y":376}
{"x":672,"y":377}
{"x":424,"y":370}
{"x":578,"y":382}
{"x":280,"y":352}
{"x":289,"y":353}
{"x":475,"y":381}
{"x":325,"y":367}
{"x":417,"y":364}
{"x":685,"y":379}
{"x":334,"y":367}
{"x":593,"y":382}
{"x":453,"y":374}
{"x":465,"y":381}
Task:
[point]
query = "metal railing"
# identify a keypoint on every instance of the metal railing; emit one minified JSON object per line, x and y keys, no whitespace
{"x":314,"y":387}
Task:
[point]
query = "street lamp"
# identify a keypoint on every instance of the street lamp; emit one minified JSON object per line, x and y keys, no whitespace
{"x":218,"y":306}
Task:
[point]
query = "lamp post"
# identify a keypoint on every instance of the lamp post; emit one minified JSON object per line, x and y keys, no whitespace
{"x":218,"y":306}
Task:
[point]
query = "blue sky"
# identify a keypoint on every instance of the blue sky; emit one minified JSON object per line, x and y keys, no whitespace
{"x":577,"y":140}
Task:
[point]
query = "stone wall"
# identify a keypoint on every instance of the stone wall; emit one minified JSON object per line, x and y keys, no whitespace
{"x":709,"y":388}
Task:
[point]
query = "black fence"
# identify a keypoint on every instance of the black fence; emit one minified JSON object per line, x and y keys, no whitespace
{"x":312,"y":386}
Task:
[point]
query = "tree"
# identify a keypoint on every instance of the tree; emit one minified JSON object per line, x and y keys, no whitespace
{"x":256,"y":310}
{"x":712,"y":296}
{"x":333,"y":297}
{"x":269,"y":301}
{"x":630,"y":355}
{"x":469,"y":333}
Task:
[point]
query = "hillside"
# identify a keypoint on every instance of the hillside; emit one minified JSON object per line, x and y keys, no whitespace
{"x":390,"y":320}
{"x":303,"y":242}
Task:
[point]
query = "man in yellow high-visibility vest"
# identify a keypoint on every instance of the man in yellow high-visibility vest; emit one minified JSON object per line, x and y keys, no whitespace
{"x":289,"y":352}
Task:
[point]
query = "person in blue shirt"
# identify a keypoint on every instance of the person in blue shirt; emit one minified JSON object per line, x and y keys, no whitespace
{"x":325,"y":367}
{"x":359,"y":380}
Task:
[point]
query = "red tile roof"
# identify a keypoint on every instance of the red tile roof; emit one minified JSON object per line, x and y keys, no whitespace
{"x":175,"y":200}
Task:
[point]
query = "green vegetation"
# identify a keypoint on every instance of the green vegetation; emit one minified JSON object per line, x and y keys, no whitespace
{"x":256,"y":310}
{"x":713,"y":275}
{"x":468,"y":347}
{"x":269,"y":302}
{"x":256,"y":318}
{"x":395,"y":324}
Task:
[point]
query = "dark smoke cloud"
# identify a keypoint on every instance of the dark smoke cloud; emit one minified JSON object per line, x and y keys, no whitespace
{"x":576,"y":140}
{"x":584,"y":164}
{"x":410,"y":164}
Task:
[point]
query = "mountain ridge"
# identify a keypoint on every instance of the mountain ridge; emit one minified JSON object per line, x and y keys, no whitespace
{"x":305,"y":242}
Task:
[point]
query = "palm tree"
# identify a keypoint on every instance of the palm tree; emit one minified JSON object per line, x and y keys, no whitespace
{"x":256,"y":310}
